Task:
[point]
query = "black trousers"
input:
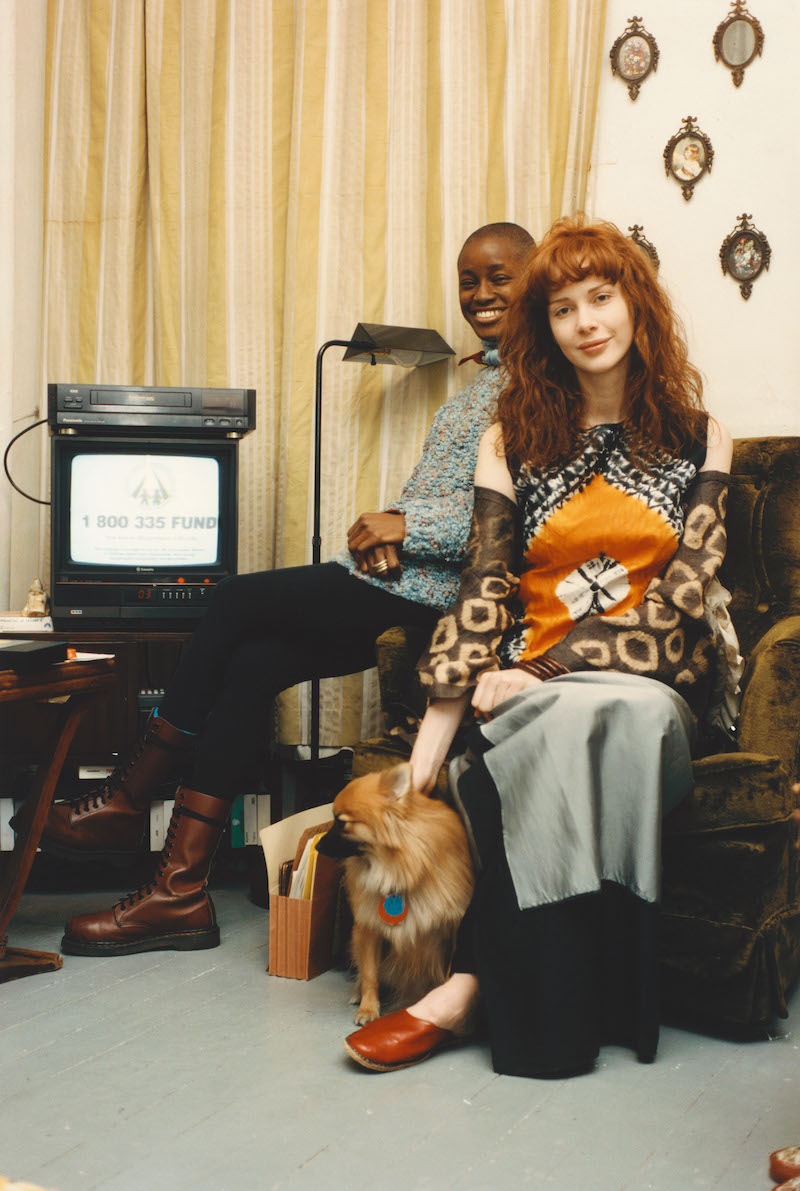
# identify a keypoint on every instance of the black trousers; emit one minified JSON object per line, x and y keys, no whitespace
{"x":261,"y":634}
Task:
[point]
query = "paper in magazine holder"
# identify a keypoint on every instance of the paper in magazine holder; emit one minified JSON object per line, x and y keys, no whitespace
{"x":300,"y":929}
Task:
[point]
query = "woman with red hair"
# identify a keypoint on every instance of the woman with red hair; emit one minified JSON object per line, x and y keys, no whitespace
{"x":603,"y":486}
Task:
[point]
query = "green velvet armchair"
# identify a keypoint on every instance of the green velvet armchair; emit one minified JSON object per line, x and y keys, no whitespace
{"x":730,"y":948}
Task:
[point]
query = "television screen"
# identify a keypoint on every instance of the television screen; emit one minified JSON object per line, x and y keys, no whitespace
{"x":136,"y":510}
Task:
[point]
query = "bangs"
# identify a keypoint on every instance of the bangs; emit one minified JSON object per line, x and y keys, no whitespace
{"x":570,"y":255}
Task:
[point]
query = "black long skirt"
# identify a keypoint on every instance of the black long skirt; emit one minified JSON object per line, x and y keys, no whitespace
{"x":560,"y":980}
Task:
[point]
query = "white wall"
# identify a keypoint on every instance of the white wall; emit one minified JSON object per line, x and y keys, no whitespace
{"x":748,"y":351}
{"x":22,"y":45}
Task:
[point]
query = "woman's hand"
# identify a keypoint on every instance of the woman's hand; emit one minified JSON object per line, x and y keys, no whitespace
{"x":495,"y":686}
{"x":425,"y":772}
{"x":381,"y":561}
{"x":376,"y":529}
{"x":373,"y":540}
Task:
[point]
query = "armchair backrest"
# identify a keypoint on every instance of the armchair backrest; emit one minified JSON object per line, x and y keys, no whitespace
{"x":762,"y":566}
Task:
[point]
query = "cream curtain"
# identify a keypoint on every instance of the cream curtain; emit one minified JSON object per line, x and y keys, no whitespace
{"x":230,"y":183}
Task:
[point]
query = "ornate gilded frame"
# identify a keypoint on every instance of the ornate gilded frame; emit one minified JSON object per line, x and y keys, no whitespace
{"x":738,"y":40}
{"x":745,"y":254}
{"x":643,"y":242}
{"x":634,"y":55}
{"x":688,"y":156}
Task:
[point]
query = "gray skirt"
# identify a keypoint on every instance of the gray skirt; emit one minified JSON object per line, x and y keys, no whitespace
{"x":585,"y":766}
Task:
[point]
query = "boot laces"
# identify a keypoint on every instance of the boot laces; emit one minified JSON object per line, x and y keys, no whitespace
{"x":104,"y":794}
{"x":132,"y":899}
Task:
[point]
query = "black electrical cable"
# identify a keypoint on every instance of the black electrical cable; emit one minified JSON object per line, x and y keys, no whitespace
{"x":16,"y":487}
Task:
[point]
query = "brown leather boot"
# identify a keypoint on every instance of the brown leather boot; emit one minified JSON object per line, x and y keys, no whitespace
{"x":111,"y":822}
{"x":171,"y":912}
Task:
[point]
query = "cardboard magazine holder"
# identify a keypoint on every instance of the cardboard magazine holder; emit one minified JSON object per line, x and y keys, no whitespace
{"x":300,"y":929}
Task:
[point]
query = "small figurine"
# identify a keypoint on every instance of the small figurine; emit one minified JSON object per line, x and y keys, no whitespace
{"x":37,"y":603}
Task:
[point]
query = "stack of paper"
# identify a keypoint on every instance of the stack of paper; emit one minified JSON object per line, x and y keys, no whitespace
{"x":303,"y":875}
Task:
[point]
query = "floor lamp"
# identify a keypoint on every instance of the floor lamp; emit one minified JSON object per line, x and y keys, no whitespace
{"x":371,"y":343}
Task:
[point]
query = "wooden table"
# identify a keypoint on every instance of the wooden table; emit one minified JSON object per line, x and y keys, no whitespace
{"x":144,"y":659}
{"x":75,"y":684}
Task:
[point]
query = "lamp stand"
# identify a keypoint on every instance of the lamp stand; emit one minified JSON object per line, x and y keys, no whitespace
{"x":316,"y":538}
{"x":406,"y":346}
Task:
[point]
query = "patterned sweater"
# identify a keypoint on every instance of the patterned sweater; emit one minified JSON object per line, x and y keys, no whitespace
{"x":437,"y":498}
{"x":615,"y":569}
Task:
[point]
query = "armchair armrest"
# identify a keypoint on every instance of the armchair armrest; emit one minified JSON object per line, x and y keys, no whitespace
{"x":728,"y":854}
{"x":733,"y":791}
{"x":769,"y":719}
{"x":403,"y":703}
{"x":397,"y":652}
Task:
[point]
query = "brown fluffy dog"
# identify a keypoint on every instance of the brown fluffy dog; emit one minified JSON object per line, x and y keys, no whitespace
{"x":408,"y":877}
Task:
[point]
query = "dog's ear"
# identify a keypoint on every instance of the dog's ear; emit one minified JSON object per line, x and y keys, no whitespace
{"x":396,"y":782}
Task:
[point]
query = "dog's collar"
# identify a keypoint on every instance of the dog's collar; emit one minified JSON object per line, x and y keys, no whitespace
{"x":393,"y":908}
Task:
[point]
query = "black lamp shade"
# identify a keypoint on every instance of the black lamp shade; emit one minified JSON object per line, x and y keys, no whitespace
{"x":407,"y":346}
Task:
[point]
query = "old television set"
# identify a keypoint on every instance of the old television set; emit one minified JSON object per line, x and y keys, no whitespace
{"x":142,"y":528}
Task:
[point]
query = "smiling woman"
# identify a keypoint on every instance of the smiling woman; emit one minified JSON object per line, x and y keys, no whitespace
{"x":489,"y":264}
{"x":593,"y":325}
{"x":657,"y":386}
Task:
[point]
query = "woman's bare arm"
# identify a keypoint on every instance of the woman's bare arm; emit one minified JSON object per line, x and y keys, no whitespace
{"x":719,"y":451}
{"x":491,"y":470}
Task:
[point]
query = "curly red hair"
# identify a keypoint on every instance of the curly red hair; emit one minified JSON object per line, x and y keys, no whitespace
{"x":541,"y":408}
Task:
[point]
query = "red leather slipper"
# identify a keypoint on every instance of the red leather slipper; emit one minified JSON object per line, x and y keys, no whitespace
{"x":784,"y":1164}
{"x":397,"y":1040}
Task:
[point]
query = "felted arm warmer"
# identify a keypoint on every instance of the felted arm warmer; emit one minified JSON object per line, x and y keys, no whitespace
{"x":465,"y":640}
{"x":667,"y":636}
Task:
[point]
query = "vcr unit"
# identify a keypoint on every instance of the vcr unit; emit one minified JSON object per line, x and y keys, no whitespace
{"x":106,"y":409}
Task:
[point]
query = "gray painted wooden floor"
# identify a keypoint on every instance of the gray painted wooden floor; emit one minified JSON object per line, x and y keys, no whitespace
{"x":165,"y":1072}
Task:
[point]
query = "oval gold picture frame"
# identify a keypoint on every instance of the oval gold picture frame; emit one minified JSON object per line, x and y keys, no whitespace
{"x":738,"y":40}
{"x":745,"y":254}
{"x":634,"y":55}
{"x":688,"y":156}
